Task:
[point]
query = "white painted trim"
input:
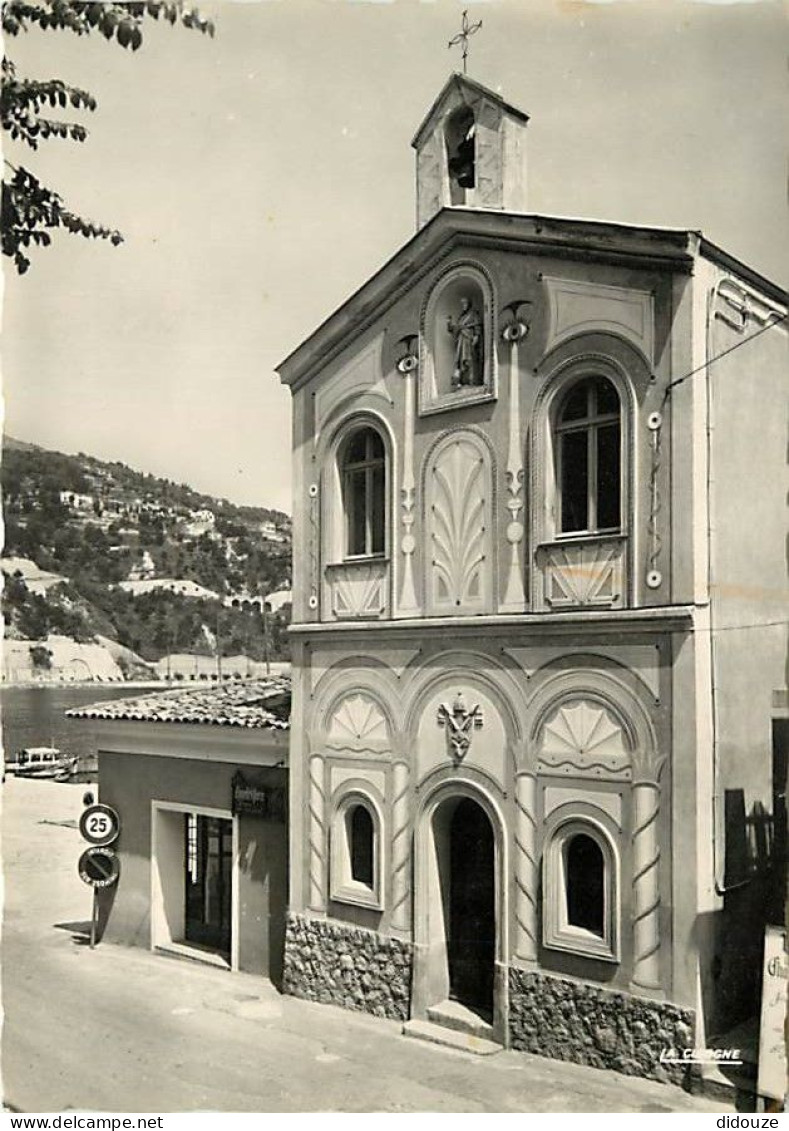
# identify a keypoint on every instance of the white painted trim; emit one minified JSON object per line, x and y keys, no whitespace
{"x":243,"y":746}
{"x":343,"y":889}
{"x":566,"y":823}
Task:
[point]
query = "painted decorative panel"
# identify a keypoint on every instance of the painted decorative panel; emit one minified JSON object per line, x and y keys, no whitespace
{"x":610,"y":803}
{"x":357,"y":722}
{"x":583,"y":573}
{"x":581,"y":738}
{"x":340,"y":775}
{"x":358,"y":589}
{"x":577,"y":307}
{"x":458,"y":491}
{"x":362,"y":374}
{"x":461,"y":718}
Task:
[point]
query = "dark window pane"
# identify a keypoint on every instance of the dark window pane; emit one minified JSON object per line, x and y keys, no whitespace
{"x":356,"y":509}
{"x":377,"y":506}
{"x":576,"y":402}
{"x":376,"y":445}
{"x":574,"y":481}
{"x":585,"y":878}
{"x":607,"y":397}
{"x":356,"y":450}
{"x":608,"y":477}
{"x":361,"y":838}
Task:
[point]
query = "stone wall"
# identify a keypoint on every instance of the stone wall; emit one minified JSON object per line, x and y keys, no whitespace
{"x":551,"y":1016}
{"x":348,"y":966}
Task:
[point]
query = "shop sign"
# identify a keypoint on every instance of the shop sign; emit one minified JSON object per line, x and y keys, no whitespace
{"x":267,"y":801}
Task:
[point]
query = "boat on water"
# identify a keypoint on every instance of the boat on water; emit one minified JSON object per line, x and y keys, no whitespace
{"x":43,"y":762}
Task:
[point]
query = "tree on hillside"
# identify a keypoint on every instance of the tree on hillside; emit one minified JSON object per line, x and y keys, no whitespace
{"x":30,"y":210}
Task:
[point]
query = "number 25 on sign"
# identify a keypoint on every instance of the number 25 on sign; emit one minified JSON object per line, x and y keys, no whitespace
{"x":99,"y":826}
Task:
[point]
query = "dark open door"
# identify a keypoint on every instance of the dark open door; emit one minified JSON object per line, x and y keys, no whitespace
{"x":472,"y":915}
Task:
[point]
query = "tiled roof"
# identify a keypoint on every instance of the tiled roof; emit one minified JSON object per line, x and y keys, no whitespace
{"x":261,"y":703}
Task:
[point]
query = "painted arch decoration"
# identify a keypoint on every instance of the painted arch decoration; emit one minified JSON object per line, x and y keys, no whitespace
{"x":358,"y":723}
{"x":583,"y":738}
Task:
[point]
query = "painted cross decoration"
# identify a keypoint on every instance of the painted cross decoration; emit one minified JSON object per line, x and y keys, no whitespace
{"x":459,"y":722}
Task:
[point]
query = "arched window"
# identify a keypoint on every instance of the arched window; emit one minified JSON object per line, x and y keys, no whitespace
{"x":580,"y":890}
{"x":355,"y":851}
{"x":584,"y":871}
{"x":360,"y":843}
{"x":363,"y":475}
{"x":588,"y":450}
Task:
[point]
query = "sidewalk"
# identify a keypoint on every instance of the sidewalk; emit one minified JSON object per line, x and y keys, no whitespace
{"x":119,"y":1029}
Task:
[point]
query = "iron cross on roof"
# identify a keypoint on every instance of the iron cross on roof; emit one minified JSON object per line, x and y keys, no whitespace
{"x":466,"y":29}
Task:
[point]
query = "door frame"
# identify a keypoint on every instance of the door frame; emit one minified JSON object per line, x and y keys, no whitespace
{"x":168,"y":885}
{"x":431,"y":972}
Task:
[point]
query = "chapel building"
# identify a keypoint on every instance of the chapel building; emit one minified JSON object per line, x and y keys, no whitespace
{"x":538,"y":731}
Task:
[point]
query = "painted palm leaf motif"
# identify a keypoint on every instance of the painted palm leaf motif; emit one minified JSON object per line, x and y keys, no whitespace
{"x":457,"y":517}
{"x":583,"y":738}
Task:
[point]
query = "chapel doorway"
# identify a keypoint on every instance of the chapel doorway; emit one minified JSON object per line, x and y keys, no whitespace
{"x":471,"y":920}
{"x":208,"y":859}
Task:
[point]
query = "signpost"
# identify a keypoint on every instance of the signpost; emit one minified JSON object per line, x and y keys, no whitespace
{"x":98,"y":865}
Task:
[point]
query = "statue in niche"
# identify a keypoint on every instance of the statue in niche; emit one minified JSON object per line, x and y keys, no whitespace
{"x":467,"y":368}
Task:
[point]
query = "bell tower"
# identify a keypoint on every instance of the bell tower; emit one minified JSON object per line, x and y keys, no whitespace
{"x":470,"y":152}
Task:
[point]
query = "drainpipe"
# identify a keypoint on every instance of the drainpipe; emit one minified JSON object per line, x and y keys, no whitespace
{"x":717,"y":832}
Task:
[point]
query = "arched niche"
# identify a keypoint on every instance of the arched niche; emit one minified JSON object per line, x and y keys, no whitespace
{"x":457,"y":340}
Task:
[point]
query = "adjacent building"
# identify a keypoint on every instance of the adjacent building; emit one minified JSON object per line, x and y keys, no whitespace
{"x":538,"y":731}
{"x":199,"y":780}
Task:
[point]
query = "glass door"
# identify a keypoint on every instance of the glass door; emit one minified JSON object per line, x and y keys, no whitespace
{"x":208,"y":880}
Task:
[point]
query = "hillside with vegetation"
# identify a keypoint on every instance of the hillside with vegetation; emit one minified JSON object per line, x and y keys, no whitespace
{"x":95,"y":548}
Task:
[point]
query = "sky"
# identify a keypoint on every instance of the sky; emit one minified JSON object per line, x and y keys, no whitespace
{"x":260,"y":177}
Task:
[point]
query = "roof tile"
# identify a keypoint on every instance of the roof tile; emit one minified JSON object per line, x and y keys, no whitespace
{"x":260,"y":703}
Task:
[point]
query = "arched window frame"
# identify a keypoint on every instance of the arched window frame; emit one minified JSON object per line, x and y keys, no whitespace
{"x":343,"y":887}
{"x":546,"y":524}
{"x":546,"y":537}
{"x":334,"y":541}
{"x":590,"y":427}
{"x":558,"y":933}
{"x":360,"y":476}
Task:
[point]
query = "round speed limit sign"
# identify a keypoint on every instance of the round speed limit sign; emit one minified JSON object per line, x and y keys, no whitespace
{"x":99,"y":824}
